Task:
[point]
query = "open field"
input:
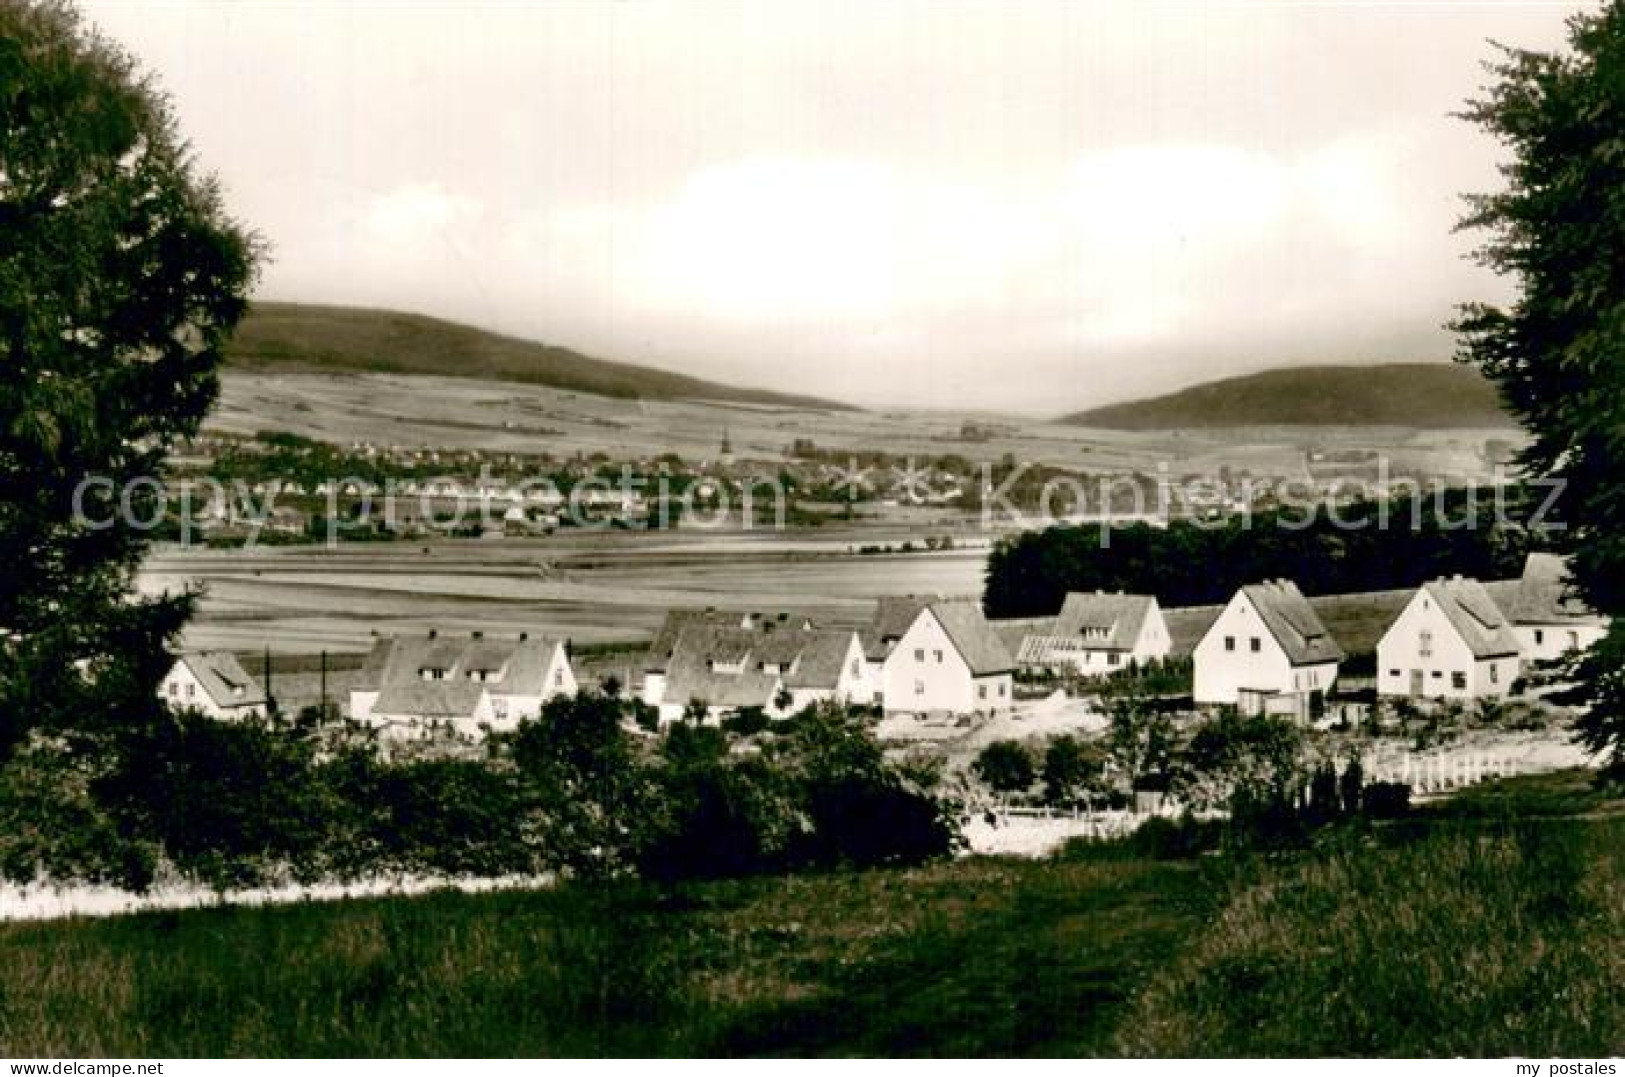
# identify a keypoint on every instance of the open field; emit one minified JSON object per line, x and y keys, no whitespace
{"x":1483,"y":927}
{"x":590,"y":587}
{"x":391,"y":409}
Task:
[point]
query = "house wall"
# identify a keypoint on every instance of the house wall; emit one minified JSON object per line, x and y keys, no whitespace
{"x":858,"y":682}
{"x":926,"y":672}
{"x":1399,"y":657}
{"x":1546,"y":643}
{"x":508,"y":710}
{"x":361,"y":704}
{"x":654,"y":689}
{"x":1221,"y":675}
{"x":1154,"y":642}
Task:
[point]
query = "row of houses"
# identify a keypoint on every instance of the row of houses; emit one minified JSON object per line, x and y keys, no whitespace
{"x":917,"y":654}
{"x":1267,"y":650}
{"x":1453,"y":640}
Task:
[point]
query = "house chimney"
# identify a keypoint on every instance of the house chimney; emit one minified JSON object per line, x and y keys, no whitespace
{"x":478,"y":634}
{"x":433,"y":633}
{"x":523,"y":636}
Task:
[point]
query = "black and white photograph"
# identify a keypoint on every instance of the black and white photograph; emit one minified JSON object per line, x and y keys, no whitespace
{"x":691,"y":529}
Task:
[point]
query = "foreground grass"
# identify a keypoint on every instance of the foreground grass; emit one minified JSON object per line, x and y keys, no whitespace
{"x":974,"y":957}
{"x":1468,"y":940}
{"x":1489,"y":926}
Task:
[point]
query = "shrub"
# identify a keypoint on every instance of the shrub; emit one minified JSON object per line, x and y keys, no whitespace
{"x":1386,"y":800}
{"x":746,"y":721}
{"x":232,"y":804}
{"x":52,"y":826}
{"x":1006,"y":766}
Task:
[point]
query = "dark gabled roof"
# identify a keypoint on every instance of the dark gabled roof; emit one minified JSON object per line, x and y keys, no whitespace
{"x":1120,"y":617}
{"x":665,"y":641}
{"x":224,"y":679}
{"x":1547,"y":595}
{"x":418,"y":698}
{"x":1014,"y":632}
{"x":821,"y":659}
{"x":371,"y":676}
{"x":973,"y":636}
{"x":1474,"y":616}
{"x":893,"y":616}
{"x":690,"y":676}
{"x":522,"y":663}
{"x":1293,"y":622}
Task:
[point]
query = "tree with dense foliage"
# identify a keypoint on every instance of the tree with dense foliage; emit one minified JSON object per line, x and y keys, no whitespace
{"x":1368,"y":545}
{"x":1139,"y":741}
{"x":121,"y":277}
{"x":1006,"y":766}
{"x":1072,"y":768}
{"x":1257,"y":756}
{"x":587,"y":792}
{"x":1557,"y":349}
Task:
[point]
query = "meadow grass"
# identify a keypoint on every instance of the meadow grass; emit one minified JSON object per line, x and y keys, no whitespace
{"x":1470,"y":931}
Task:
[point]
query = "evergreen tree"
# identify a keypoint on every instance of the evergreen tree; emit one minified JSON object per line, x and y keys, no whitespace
{"x":121,"y":277}
{"x":1557,"y":349}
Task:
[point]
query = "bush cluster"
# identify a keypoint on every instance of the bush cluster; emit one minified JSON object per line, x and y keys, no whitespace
{"x":575,"y":791}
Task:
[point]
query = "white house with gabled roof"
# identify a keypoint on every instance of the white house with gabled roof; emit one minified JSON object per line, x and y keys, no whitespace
{"x":1266,"y":652}
{"x":1099,"y":633}
{"x":948,"y":659}
{"x":1549,"y":618}
{"x":470,"y":685}
{"x":1451,"y":641}
{"x":727,"y":661}
{"x":214,"y":683}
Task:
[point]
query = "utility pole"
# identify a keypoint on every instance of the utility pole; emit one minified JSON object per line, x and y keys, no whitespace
{"x":270,"y":699}
{"x":323,"y":711}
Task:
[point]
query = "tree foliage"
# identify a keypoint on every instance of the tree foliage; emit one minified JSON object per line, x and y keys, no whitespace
{"x":1557,"y":348}
{"x":121,"y":277}
{"x":1006,"y":766}
{"x":1370,"y":545}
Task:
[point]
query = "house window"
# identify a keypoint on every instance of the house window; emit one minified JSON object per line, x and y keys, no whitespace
{"x":938,"y":655}
{"x":857,"y":667}
{"x":919,"y":688}
{"x":558,"y":678}
{"x":1495,"y":673}
{"x":1424,"y":643}
{"x":1111,"y":659}
{"x":1255,"y":644}
{"x":191,"y":691}
{"x":1540,"y":636}
{"x":981,"y":691}
{"x":1230,"y":643}
{"x":499,"y":707}
{"x":1437,"y":674}
{"x":1001,"y":689}
{"x":1574,"y":641}
{"x":174,"y":690}
{"x":1458,"y":680}
{"x":1393,"y":673}
{"x":919,"y":654}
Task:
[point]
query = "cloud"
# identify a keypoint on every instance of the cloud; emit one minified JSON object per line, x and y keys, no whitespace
{"x":418,"y":216}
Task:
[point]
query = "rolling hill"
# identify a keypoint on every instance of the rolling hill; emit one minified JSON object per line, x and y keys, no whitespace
{"x":307,"y":337}
{"x":1430,"y":395}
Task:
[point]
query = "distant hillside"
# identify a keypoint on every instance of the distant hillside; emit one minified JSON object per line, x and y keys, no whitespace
{"x":1429,"y":395}
{"x":355,"y":339}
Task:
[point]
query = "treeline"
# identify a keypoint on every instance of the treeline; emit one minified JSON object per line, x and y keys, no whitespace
{"x":574,"y":792}
{"x":1365,"y":546}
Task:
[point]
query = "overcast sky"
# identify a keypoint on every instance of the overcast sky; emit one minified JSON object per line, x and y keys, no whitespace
{"x":1004,"y":205}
